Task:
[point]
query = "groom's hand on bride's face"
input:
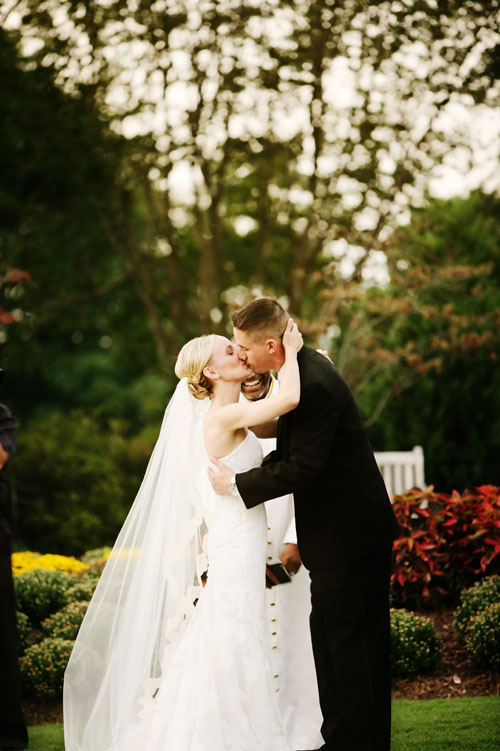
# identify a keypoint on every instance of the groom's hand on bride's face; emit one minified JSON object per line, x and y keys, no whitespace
{"x":220,"y":477}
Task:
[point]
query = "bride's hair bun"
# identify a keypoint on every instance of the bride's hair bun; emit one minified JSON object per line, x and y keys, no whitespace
{"x":191,"y":360}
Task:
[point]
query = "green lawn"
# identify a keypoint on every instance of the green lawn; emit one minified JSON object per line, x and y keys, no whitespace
{"x":46,"y":738}
{"x":447,"y":725}
{"x":437,"y":725}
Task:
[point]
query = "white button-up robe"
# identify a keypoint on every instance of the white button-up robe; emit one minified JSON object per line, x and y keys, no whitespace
{"x":288,"y":608}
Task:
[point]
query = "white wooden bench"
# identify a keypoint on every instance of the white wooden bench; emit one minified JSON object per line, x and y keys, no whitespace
{"x":401,"y":470}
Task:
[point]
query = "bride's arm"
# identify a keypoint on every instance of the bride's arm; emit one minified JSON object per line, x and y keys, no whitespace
{"x":249,"y":414}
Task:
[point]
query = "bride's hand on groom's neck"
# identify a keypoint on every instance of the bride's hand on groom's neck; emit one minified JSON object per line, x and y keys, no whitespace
{"x":292,"y":338}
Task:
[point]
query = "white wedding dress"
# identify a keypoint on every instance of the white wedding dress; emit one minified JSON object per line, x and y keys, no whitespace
{"x":217,"y":693}
{"x":150,"y":671}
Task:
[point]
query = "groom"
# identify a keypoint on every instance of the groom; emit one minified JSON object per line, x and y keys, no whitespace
{"x":345,"y":527}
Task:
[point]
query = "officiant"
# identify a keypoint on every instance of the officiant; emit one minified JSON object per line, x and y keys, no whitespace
{"x":288,"y":607}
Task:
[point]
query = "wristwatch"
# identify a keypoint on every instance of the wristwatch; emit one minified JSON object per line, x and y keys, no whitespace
{"x":233,"y":488}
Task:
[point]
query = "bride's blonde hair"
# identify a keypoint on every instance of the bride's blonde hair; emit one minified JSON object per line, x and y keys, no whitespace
{"x":191,"y":360}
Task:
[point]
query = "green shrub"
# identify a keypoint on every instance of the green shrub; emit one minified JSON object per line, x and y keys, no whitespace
{"x":42,"y":668}
{"x":482,"y":637}
{"x":81,"y":591}
{"x":24,"y":629}
{"x":475,"y":599}
{"x":415,"y":646}
{"x":95,"y":569}
{"x":93,"y":573}
{"x":40,"y":593}
{"x":76,"y":479}
{"x":98,"y":554}
{"x":66,"y":623}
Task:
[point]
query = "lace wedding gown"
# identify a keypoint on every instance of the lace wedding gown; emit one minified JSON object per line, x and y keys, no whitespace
{"x":217,"y":692}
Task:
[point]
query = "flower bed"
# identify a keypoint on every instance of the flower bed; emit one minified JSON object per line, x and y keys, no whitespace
{"x":456,"y":675}
{"x":52,"y":593}
{"x":29,"y":561}
{"x":448,"y":542}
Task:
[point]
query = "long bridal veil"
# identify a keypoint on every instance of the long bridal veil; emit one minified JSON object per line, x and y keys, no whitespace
{"x":144,"y":599}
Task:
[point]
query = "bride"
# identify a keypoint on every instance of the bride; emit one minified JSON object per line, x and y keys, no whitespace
{"x":162,"y":663}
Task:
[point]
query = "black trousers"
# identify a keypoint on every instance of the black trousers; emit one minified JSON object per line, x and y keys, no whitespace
{"x":13,"y":731}
{"x":350,"y":630}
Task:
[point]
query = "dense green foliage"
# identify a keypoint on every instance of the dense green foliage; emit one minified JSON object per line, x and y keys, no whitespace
{"x":455,"y":327}
{"x":66,"y":623}
{"x":81,"y":591}
{"x":59,"y":186}
{"x":474,"y":600}
{"x":40,"y":593}
{"x":415,"y":646}
{"x":76,"y":479}
{"x":24,"y":629}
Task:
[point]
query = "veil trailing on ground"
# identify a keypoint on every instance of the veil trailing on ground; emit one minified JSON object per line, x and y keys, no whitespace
{"x":144,"y":599}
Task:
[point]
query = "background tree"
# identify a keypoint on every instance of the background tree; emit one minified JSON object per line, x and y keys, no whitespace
{"x":61,"y":181}
{"x":422,"y":352}
{"x":163,"y":161}
{"x":328,"y":118}
{"x":454,"y":408}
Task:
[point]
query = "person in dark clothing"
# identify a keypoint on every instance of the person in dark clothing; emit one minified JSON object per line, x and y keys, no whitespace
{"x":345,"y":528}
{"x":13,"y":732}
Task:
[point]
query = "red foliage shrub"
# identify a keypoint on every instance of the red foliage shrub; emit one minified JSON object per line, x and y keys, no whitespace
{"x":448,"y":542}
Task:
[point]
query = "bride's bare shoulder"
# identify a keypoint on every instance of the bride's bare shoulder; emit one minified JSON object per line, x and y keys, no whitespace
{"x":214,"y":428}
{"x":219,"y":441}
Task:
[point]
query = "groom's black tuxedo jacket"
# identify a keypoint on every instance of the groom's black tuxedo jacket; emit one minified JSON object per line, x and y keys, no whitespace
{"x":323,"y":456}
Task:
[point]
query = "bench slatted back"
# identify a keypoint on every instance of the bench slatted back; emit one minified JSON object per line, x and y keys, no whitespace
{"x":401,"y":470}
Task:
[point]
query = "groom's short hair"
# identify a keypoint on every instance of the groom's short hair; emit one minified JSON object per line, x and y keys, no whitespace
{"x":261,"y":318}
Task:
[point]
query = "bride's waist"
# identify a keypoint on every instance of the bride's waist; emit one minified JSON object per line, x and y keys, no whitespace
{"x":225,"y":537}
{"x":225,"y":510}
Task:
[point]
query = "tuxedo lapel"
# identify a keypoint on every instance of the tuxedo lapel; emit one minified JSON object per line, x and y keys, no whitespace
{"x":283,"y":436}
{"x":283,"y":431}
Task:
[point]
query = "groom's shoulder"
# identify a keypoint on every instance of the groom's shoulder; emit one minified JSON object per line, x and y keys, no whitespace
{"x":316,"y":370}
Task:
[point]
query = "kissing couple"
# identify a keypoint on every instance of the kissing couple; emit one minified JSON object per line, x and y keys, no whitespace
{"x":162,"y":663}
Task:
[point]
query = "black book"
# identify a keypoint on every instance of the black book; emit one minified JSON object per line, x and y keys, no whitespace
{"x":280,"y":573}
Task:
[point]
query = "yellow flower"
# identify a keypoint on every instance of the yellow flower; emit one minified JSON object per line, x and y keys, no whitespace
{"x":123,"y":553}
{"x":28,"y":561}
